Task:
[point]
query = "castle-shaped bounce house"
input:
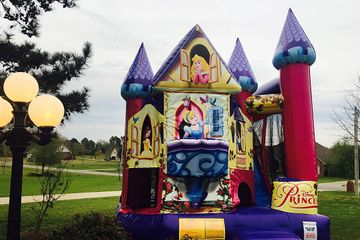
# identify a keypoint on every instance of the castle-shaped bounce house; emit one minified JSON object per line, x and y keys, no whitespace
{"x":209,"y":155}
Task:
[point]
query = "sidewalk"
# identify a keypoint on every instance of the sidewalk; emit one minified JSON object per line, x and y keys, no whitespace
{"x":68,"y":196}
{"x":332,"y":186}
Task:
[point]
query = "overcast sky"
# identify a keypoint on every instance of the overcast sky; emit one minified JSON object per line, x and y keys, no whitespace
{"x":117,"y":28}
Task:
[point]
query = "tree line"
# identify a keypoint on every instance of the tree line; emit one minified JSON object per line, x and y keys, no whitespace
{"x":94,"y":149}
{"x":85,"y":146}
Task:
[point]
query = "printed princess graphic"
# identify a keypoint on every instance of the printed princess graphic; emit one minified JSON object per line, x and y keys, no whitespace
{"x":199,"y":70}
{"x":193,"y":126}
{"x":199,"y":117}
{"x":147,"y":149}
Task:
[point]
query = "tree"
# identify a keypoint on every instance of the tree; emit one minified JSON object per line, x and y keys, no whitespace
{"x":24,"y":14}
{"x":92,"y":148}
{"x":52,"y":70}
{"x":75,"y":147}
{"x":89,"y":146}
{"x":345,"y":117}
{"x":53,"y":185}
{"x":47,"y":155}
{"x":4,"y":151}
{"x":342,"y":160}
{"x":102,"y":148}
{"x":115,"y":142}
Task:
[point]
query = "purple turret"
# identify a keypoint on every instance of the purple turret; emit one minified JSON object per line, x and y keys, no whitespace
{"x":293,"y":56}
{"x":294,"y":46}
{"x":136,"y":87}
{"x":138,"y":81}
{"x":240,"y":68}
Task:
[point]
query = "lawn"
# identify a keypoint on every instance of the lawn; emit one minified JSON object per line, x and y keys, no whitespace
{"x":79,"y":183}
{"x":88,"y":164}
{"x":92,"y":164}
{"x":61,"y":213}
{"x":344,"y":210}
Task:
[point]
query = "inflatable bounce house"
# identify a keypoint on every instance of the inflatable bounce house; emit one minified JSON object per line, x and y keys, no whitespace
{"x":209,"y":155}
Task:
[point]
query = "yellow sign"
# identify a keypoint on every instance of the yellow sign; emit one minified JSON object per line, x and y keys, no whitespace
{"x":295,"y":197}
{"x":201,"y":228}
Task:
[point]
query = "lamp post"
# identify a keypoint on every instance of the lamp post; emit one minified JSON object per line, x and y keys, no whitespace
{"x":18,"y":110}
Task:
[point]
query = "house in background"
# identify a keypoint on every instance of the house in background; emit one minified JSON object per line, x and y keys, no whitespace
{"x":322,"y":157}
{"x":66,"y":153}
{"x":114,"y":155}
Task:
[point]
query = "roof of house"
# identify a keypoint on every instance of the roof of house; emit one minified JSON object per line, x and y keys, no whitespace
{"x":323,"y":153}
{"x":63,"y":149}
{"x":114,"y":152}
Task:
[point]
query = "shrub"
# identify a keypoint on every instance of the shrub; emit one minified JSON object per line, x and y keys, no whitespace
{"x":91,"y":226}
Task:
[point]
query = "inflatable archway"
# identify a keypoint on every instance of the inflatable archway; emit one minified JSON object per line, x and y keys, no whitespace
{"x":210,"y":156}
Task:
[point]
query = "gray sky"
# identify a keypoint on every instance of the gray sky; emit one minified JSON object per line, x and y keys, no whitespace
{"x":117,"y":28}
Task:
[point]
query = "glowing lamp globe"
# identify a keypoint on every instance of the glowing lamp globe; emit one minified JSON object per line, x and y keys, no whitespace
{"x":5,"y":112}
{"x":21,"y":87}
{"x":46,"y":111}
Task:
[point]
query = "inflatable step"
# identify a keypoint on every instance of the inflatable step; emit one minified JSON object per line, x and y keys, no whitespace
{"x":254,"y":234}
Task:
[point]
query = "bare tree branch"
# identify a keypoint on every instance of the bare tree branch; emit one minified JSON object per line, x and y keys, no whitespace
{"x":345,"y":118}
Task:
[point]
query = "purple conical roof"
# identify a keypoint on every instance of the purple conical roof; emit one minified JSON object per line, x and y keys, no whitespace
{"x":138,"y":81}
{"x":293,"y":46}
{"x":240,"y":68}
{"x":238,"y":63}
{"x":140,"y":70}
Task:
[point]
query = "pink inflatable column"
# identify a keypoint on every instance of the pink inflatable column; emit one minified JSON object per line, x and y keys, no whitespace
{"x":293,"y":56}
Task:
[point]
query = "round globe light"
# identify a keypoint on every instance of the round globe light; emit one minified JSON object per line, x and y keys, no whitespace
{"x":5,"y":112}
{"x":46,"y":111}
{"x":21,"y":87}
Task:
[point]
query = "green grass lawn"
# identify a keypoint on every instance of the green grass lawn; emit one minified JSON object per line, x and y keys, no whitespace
{"x":343,"y":208}
{"x":88,"y":164}
{"x":61,"y":213}
{"x":79,"y":183}
{"x":330,"y":179}
{"x":92,"y":164}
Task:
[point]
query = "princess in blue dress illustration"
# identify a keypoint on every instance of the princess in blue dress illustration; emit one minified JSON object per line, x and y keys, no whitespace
{"x":194,"y":128}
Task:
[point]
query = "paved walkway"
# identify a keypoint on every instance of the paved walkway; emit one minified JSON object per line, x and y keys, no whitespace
{"x":332,"y":186}
{"x":68,"y":196}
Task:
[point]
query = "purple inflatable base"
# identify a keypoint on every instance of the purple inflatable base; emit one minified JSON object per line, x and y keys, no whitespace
{"x":245,"y":223}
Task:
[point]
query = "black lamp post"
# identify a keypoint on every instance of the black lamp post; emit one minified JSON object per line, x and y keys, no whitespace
{"x":45,"y":111}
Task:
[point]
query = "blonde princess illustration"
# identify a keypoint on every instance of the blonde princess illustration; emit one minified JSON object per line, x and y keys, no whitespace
{"x":199,"y":70}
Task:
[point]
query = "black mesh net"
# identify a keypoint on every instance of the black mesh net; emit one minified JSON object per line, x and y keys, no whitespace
{"x":269,"y":140}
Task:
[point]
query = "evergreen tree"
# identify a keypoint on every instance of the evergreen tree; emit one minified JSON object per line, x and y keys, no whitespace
{"x":115,"y":142}
{"x":342,"y":160}
{"x":24,"y":14}
{"x":52,"y":70}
